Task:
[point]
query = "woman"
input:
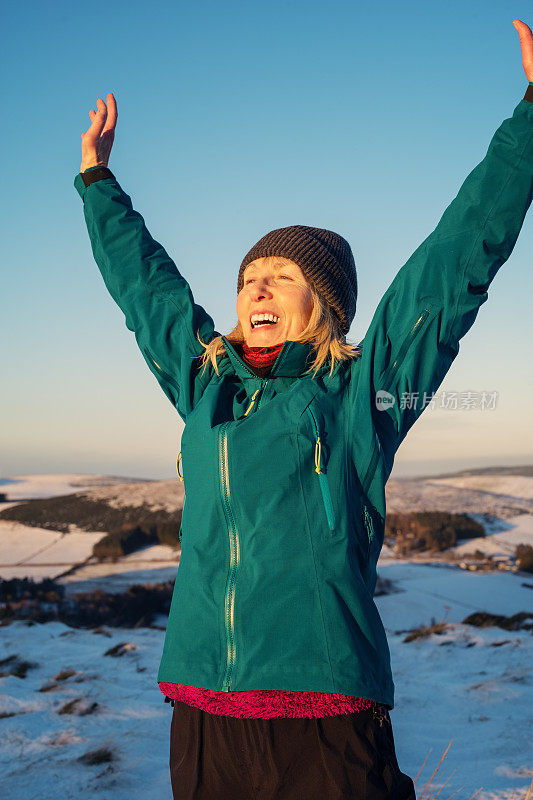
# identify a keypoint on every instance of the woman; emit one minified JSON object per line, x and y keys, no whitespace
{"x":275,"y":656}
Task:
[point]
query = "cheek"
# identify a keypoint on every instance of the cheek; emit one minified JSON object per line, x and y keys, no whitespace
{"x":307,"y":305}
{"x":240,"y":305}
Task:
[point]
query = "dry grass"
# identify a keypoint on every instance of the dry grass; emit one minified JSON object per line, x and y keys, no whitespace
{"x":64,"y":674}
{"x":422,"y":631}
{"x":430,"y":792}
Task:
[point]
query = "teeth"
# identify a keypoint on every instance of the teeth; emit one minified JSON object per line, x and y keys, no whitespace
{"x":255,"y":318}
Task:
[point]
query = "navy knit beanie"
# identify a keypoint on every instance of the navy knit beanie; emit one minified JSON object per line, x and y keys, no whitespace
{"x":325,"y":258}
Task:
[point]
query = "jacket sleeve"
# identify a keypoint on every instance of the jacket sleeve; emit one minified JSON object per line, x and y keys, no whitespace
{"x":145,"y":283}
{"x":434,"y":299}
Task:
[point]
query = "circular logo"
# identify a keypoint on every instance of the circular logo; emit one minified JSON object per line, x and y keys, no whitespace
{"x":384,"y":400}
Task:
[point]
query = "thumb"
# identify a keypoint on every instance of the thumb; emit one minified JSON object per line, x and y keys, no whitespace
{"x":526,"y":44}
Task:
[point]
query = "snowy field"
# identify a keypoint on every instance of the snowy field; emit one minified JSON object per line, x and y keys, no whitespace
{"x":470,"y":685}
{"x":38,"y":553}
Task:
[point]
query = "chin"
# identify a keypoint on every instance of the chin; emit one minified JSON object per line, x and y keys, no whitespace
{"x":263,"y":340}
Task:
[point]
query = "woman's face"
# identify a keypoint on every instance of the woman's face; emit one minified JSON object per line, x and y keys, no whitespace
{"x":273,"y":285}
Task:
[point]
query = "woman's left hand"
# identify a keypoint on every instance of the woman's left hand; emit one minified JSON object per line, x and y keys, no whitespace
{"x":526,"y":43}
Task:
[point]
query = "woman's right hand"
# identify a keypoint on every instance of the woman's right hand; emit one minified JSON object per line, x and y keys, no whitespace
{"x":97,"y":141}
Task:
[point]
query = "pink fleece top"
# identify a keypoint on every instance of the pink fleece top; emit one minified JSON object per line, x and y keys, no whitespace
{"x":265,"y":703}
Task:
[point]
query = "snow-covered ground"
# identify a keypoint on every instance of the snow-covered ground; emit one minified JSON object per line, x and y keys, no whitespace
{"x":470,"y":685}
{"x":155,"y":564}
{"x":41,"y":553}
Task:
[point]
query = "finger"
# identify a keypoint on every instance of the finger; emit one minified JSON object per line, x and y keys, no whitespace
{"x":99,"y":119}
{"x":101,"y":106}
{"x":92,"y":114}
{"x":112,"y":113}
{"x":526,"y":44}
{"x":523,"y":30}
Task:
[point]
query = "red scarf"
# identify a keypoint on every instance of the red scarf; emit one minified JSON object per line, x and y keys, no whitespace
{"x":261,"y":356}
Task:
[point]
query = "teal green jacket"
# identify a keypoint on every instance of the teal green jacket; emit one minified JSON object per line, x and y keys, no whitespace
{"x":283,"y":520}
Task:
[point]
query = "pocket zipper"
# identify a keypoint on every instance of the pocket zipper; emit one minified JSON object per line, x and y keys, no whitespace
{"x":169,"y":378}
{"x":322,"y":477}
{"x":178,"y":460}
{"x":369,"y":526}
{"x":386,"y":385}
{"x":393,"y":368}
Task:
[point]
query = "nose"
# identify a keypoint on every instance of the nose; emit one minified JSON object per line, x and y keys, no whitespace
{"x":260,"y":289}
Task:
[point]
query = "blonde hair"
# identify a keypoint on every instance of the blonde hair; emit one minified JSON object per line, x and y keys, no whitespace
{"x":322,"y":332}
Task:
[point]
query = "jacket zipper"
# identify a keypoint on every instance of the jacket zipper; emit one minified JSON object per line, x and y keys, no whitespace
{"x":234,"y":547}
{"x":322,"y":477}
{"x":229,"y":596}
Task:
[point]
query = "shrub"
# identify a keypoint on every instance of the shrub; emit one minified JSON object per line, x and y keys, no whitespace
{"x":127,"y":539}
{"x":524,"y":557}
{"x":59,"y":513}
{"x":134,"y":608}
{"x":430,"y":530}
{"x":484,"y":619}
{"x":167,"y":532}
{"x":121,"y":542}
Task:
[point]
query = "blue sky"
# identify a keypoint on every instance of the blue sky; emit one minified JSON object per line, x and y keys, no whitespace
{"x":236,"y":118}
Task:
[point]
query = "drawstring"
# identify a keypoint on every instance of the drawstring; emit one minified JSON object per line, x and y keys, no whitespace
{"x":379,"y":712}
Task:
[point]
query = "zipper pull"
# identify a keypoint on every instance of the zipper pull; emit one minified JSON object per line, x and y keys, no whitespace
{"x":263,"y":384}
{"x":251,"y":404}
{"x":178,"y":466}
{"x":318,"y":452}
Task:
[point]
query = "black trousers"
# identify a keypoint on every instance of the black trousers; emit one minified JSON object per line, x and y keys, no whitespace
{"x":215,"y":757}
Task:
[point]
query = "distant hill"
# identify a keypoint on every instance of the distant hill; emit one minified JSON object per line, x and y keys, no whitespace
{"x":525,"y":470}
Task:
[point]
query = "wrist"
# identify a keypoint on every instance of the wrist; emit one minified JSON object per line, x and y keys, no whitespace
{"x":91,"y":164}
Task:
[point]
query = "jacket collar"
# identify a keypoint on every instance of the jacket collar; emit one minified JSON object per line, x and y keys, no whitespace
{"x":293,"y":360}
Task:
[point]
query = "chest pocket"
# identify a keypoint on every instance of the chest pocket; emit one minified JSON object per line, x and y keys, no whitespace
{"x":321,"y":469}
{"x":313,"y":420}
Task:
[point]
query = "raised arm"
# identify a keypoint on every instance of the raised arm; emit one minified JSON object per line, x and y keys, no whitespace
{"x":434,"y":299}
{"x":141,"y":277}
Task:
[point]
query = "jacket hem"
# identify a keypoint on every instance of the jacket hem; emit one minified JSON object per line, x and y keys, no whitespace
{"x":199,"y":677}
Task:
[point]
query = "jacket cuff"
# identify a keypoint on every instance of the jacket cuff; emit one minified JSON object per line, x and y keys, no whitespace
{"x":529,"y":93}
{"x":88,"y":176}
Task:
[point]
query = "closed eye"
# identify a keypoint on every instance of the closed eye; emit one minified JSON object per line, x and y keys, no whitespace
{"x":289,"y":278}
